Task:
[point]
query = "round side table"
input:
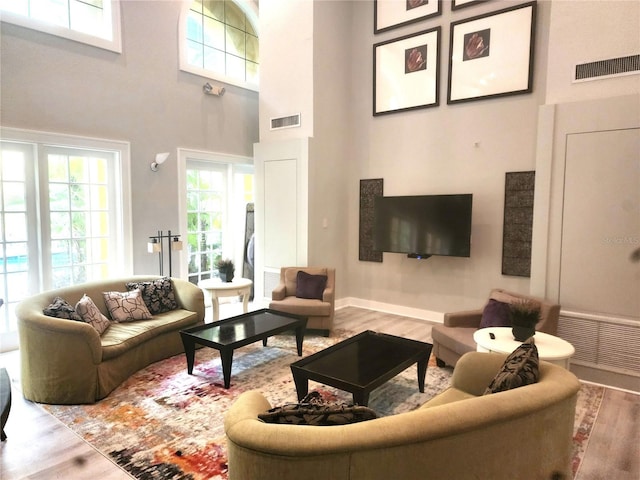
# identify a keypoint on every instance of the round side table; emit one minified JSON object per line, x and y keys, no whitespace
{"x":217,"y":288}
{"x":550,"y":348}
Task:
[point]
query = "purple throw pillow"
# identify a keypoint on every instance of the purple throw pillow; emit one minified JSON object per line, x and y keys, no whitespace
{"x":495,"y":314}
{"x":310,"y":286}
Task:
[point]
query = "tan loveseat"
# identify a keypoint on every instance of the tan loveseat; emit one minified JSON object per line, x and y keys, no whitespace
{"x":460,"y":434}
{"x":68,"y":362}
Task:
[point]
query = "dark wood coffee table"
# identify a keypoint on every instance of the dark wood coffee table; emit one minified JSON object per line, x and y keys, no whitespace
{"x":362,"y":363}
{"x":235,"y":332}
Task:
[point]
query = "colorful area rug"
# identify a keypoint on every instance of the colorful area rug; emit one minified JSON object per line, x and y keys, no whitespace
{"x":165,"y":424}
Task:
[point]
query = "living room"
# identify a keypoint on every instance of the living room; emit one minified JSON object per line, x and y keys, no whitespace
{"x":141,"y":97}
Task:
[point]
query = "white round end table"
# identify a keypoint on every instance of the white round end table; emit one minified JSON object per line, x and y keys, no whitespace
{"x":550,"y":348}
{"x":238,"y":287}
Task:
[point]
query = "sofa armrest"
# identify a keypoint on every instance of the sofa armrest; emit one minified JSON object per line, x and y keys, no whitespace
{"x":189,"y":296}
{"x":475,"y":370}
{"x":467,"y":318}
{"x":279,"y":292}
{"x":328,"y":295}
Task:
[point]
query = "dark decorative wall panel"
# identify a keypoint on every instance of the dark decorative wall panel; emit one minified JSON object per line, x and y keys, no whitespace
{"x":518,"y":223}
{"x":369,"y":189}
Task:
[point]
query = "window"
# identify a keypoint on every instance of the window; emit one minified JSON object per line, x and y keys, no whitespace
{"x":94,"y":22}
{"x":74,"y":187}
{"x":219,"y":40}
{"x":217,"y":190}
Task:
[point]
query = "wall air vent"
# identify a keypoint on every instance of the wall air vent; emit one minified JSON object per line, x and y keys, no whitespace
{"x":612,"y":67}
{"x":291,"y":121}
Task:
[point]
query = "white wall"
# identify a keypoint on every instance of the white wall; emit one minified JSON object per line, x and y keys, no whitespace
{"x":432,"y":151}
{"x":585,"y":31}
{"x":140,"y":96}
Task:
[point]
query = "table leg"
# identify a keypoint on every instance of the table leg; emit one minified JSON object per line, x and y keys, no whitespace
{"x":361,"y":398}
{"x":216,"y":307}
{"x":422,"y":373}
{"x":190,"y":352}
{"x":302,"y":385}
{"x":226,"y":356}
{"x":245,"y":300}
{"x":300,"y":338}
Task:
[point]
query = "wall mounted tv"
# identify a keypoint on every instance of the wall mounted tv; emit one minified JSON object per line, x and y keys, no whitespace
{"x":423,"y":225}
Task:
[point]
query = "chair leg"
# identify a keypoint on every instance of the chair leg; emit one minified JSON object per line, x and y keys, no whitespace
{"x":440,"y":363}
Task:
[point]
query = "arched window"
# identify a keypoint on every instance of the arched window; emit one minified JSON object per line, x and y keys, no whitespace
{"x":219,"y":40}
{"x":94,"y":22}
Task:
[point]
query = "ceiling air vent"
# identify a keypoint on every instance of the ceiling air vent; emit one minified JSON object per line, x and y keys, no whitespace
{"x":612,"y":67}
{"x":291,"y":121}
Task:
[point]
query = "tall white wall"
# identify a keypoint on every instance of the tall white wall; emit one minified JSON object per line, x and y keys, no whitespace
{"x":585,"y":31}
{"x":140,"y":96}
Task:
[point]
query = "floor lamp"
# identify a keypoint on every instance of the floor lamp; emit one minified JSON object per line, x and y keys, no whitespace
{"x":156,"y":245}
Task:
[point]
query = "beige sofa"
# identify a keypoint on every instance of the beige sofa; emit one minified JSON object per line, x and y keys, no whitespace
{"x":454,"y":337}
{"x":459,"y":434}
{"x":68,"y":362}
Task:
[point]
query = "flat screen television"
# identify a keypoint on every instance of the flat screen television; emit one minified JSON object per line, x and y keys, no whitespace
{"x":423,"y":225}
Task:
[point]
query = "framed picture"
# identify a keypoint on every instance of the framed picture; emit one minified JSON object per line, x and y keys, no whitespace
{"x":406,"y":72}
{"x":388,"y":14}
{"x":492,"y":55}
{"x":456,"y":4}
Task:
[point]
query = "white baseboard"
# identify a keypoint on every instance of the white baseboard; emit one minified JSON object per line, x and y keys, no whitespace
{"x":427,"y":315}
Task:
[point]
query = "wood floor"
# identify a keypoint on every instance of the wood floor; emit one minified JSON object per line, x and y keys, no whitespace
{"x":40,"y":447}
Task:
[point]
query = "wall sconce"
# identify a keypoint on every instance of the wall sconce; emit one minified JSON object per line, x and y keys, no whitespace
{"x":209,"y":89}
{"x":160,"y":159}
{"x":156,"y":245}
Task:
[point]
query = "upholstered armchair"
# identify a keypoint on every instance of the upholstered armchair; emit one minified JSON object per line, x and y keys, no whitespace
{"x":454,"y":337}
{"x":308,"y":291}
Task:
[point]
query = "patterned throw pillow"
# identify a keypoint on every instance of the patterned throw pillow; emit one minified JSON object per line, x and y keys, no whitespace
{"x":60,"y":308}
{"x":126,"y":306}
{"x":312,"y":410}
{"x":91,"y":314}
{"x":158,"y":294}
{"x":520,"y":368}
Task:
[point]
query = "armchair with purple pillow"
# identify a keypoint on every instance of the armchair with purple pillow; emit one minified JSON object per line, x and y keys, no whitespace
{"x":307,"y":291}
{"x":454,"y":337}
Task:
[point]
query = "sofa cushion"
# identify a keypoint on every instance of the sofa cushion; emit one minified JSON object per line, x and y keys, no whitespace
{"x":291,"y":276}
{"x":495,"y":314}
{"x":310,"y":286}
{"x":301,"y":306}
{"x":92,"y":315}
{"x":60,"y":308}
{"x":520,"y":368}
{"x":126,"y":306}
{"x":122,"y":337}
{"x":157,"y":294}
{"x":457,"y":339}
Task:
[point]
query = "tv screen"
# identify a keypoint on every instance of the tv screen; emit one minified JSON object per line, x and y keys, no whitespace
{"x":423,"y":225}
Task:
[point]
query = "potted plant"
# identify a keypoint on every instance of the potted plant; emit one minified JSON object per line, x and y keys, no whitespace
{"x":225,"y":269}
{"x":524,"y":315}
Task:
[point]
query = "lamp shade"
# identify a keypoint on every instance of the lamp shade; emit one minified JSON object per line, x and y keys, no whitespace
{"x":154,"y":246}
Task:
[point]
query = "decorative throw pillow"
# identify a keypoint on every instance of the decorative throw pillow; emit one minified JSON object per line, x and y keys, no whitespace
{"x":520,"y":368}
{"x":310,"y":286}
{"x":126,"y":306}
{"x":91,"y":314}
{"x":60,"y":308}
{"x":157,"y":294}
{"x":316,"y":414}
{"x":495,"y":314}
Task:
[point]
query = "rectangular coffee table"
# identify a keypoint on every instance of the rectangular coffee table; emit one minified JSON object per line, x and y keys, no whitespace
{"x":235,"y":332}
{"x":362,"y":363}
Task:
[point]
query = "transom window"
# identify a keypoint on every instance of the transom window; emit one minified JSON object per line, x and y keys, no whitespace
{"x":94,"y":22}
{"x":219,"y":40}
